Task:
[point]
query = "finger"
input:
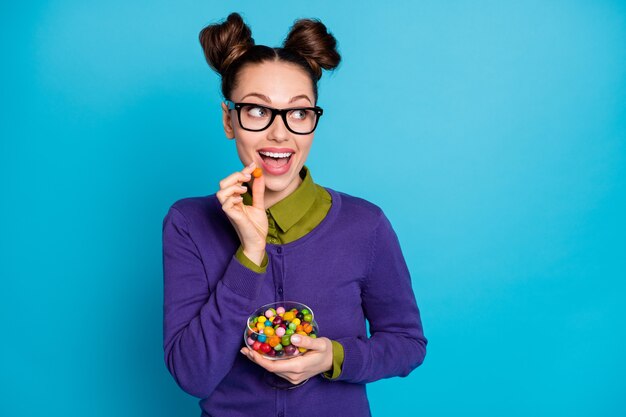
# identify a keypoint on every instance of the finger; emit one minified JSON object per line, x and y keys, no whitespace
{"x":237,"y":189}
{"x":248,"y":169}
{"x":308,"y":342}
{"x":295,"y":366}
{"x":261,"y":361}
{"x":231,"y":202}
{"x":258,"y":192}
{"x":239,"y":176}
{"x":294,"y":379}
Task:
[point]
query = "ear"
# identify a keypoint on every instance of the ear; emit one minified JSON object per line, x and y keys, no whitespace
{"x":227,"y":121}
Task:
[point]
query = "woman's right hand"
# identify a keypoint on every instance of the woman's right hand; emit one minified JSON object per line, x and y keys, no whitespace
{"x":250,"y":222}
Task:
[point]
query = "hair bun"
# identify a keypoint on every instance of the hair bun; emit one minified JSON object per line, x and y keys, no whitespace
{"x":310,"y":39}
{"x":224,"y":42}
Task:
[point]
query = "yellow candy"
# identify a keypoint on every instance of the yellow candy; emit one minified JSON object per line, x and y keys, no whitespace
{"x":260,"y":326}
{"x":302,"y":350}
{"x":268,"y":331}
{"x":296,"y":321}
{"x":289,"y":316}
{"x":302,"y":333}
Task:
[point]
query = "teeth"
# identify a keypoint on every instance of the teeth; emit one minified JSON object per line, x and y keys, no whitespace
{"x":276,"y":154}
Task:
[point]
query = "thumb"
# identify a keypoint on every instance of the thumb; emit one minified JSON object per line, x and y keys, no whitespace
{"x":258,"y":192}
{"x":306,"y":342}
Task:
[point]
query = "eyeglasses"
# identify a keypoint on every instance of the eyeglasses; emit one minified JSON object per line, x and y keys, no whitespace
{"x":255,"y":117}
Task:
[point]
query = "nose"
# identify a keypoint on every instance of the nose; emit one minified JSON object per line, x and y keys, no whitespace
{"x":277,"y":130}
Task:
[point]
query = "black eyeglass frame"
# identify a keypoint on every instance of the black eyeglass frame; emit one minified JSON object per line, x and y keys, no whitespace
{"x":282,"y":112}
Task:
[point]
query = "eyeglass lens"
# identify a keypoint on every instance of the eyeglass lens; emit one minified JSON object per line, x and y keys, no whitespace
{"x":259,"y":117}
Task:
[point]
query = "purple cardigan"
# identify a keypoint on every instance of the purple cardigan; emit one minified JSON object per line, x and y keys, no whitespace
{"x":348,"y":269}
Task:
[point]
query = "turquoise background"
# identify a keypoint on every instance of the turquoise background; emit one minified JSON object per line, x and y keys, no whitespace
{"x":493,"y":134}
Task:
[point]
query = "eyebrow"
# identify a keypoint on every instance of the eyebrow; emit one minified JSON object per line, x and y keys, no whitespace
{"x":304,"y":96}
{"x":269,"y":101}
{"x":261,"y":96}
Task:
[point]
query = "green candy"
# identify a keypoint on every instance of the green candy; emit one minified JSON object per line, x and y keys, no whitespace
{"x":308,"y":317}
{"x":305,"y":311}
{"x":278,"y":347}
{"x":289,"y":332}
{"x":285,"y":340}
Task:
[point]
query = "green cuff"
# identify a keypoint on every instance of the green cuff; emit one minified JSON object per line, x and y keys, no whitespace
{"x":337,"y":361}
{"x":245,"y":261}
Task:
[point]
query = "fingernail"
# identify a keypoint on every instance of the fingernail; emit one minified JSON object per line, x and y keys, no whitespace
{"x":295,"y":338}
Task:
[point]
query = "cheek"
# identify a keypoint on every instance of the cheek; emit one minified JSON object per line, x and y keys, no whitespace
{"x":247,"y":140}
{"x":305,"y":147}
{"x":245,"y":149}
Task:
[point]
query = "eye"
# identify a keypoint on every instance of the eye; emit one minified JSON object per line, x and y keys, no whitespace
{"x":257,"y":111}
{"x":298,"y":114}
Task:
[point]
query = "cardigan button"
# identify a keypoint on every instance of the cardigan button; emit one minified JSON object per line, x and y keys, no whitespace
{"x":279,"y":250}
{"x":280,"y":290}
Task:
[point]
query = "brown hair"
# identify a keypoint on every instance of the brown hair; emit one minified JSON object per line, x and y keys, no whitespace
{"x":229,"y":46}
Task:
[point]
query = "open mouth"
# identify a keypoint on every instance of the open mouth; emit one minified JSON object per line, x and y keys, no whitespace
{"x":275,"y":160}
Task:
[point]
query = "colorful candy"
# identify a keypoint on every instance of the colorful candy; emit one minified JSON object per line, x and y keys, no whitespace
{"x":270,"y":329}
{"x":257,"y":172}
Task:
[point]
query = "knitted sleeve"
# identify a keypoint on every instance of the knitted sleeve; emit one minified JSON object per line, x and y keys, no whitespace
{"x":397,"y":344}
{"x":202,"y":327}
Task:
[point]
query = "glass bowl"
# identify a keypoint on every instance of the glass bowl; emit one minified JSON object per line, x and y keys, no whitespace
{"x":269,"y":329}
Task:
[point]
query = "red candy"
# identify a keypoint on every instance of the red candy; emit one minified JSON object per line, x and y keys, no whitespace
{"x":290,"y":350}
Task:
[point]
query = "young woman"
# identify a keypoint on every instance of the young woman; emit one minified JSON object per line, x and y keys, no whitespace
{"x":282,"y":237}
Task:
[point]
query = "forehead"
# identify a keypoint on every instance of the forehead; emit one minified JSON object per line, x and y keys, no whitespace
{"x":278,"y":80}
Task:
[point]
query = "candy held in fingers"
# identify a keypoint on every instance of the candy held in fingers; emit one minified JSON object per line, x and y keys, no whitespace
{"x":257,"y":172}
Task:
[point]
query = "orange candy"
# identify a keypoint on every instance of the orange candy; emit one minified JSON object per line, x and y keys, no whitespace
{"x":257,"y":172}
{"x":273,"y":341}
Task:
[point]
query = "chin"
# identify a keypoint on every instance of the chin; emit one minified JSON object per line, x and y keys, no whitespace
{"x":278,"y":184}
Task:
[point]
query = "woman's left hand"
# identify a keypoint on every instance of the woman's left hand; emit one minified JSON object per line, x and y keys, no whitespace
{"x":317,"y":359}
